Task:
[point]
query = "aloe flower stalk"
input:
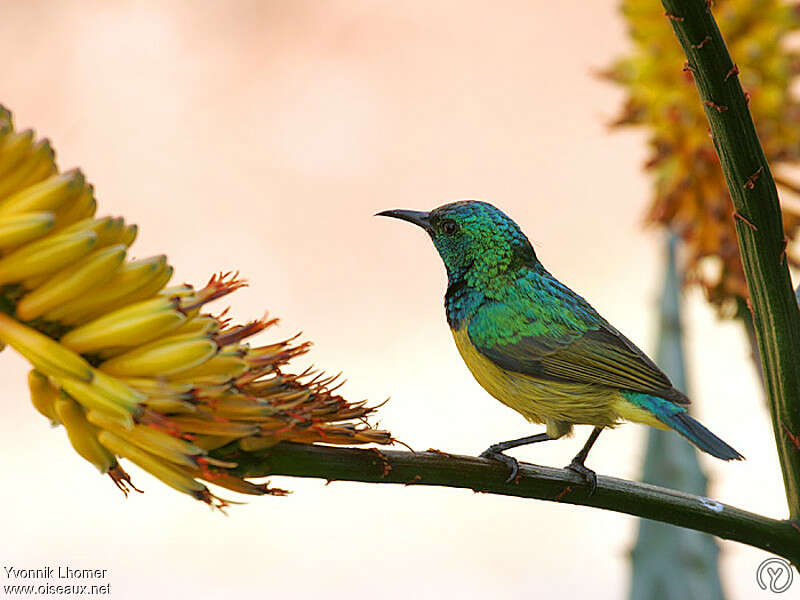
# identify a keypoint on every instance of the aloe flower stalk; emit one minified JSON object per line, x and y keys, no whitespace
{"x":690,"y":194}
{"x":131,"y":366}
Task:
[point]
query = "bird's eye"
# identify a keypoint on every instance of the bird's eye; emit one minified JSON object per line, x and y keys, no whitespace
{"x":449,"y":227}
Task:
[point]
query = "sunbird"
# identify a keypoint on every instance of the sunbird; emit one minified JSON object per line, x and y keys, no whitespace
{"x":540,"y":348}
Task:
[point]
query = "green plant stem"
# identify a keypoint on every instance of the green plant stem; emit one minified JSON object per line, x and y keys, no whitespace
{"x":746,"y":319}
{"x":558,"y":485}
{"x":759,"y":226}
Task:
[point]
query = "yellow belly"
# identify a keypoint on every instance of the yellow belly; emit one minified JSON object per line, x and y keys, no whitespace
{"x":559,"y":405}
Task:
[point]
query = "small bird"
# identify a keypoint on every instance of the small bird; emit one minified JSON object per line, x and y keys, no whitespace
{"x":540,"y":348}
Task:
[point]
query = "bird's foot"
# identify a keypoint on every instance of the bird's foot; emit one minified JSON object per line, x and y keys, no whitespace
{"x":589,"y":476}
{"x":494,"y":453}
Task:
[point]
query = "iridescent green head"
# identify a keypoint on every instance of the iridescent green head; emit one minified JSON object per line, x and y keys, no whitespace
{"x":475,"y":239}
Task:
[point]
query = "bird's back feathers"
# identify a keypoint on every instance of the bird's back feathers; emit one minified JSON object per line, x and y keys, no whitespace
{"x":544,"y":330}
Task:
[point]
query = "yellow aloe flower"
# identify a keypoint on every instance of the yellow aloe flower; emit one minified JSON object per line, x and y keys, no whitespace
{"x":131,"y":367}
{"x":690,"y":192}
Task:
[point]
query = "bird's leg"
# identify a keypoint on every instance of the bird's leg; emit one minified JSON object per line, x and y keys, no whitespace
{"x":577,"y":463}
{"x":495,"y":451}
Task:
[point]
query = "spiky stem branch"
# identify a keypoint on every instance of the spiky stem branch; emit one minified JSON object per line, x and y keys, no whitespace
{"x":544,"y":483}
{"x":759,"y":226}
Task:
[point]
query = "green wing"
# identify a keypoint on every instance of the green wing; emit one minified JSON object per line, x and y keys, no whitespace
{"x":558,"y":336}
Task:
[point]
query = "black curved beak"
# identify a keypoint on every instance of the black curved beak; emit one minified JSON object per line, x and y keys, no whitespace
{"x":416,"y":217}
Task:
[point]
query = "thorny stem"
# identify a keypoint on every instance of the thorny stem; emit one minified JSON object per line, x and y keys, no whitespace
{"x":746,"y":318}
{"x":544,"y":483}
{"x":759,"y":227}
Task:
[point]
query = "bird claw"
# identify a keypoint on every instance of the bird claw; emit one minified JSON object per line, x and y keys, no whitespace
{"x":491,"y":451}
{"x":589,"y":476}
{"x":512,"y":463}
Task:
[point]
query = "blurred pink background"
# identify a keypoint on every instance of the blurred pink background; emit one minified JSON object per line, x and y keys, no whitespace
{"x":263,"y":136}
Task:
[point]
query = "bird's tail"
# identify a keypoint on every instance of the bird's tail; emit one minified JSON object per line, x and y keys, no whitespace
{"x":700,"y":436}
{"x":676,"y":417}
